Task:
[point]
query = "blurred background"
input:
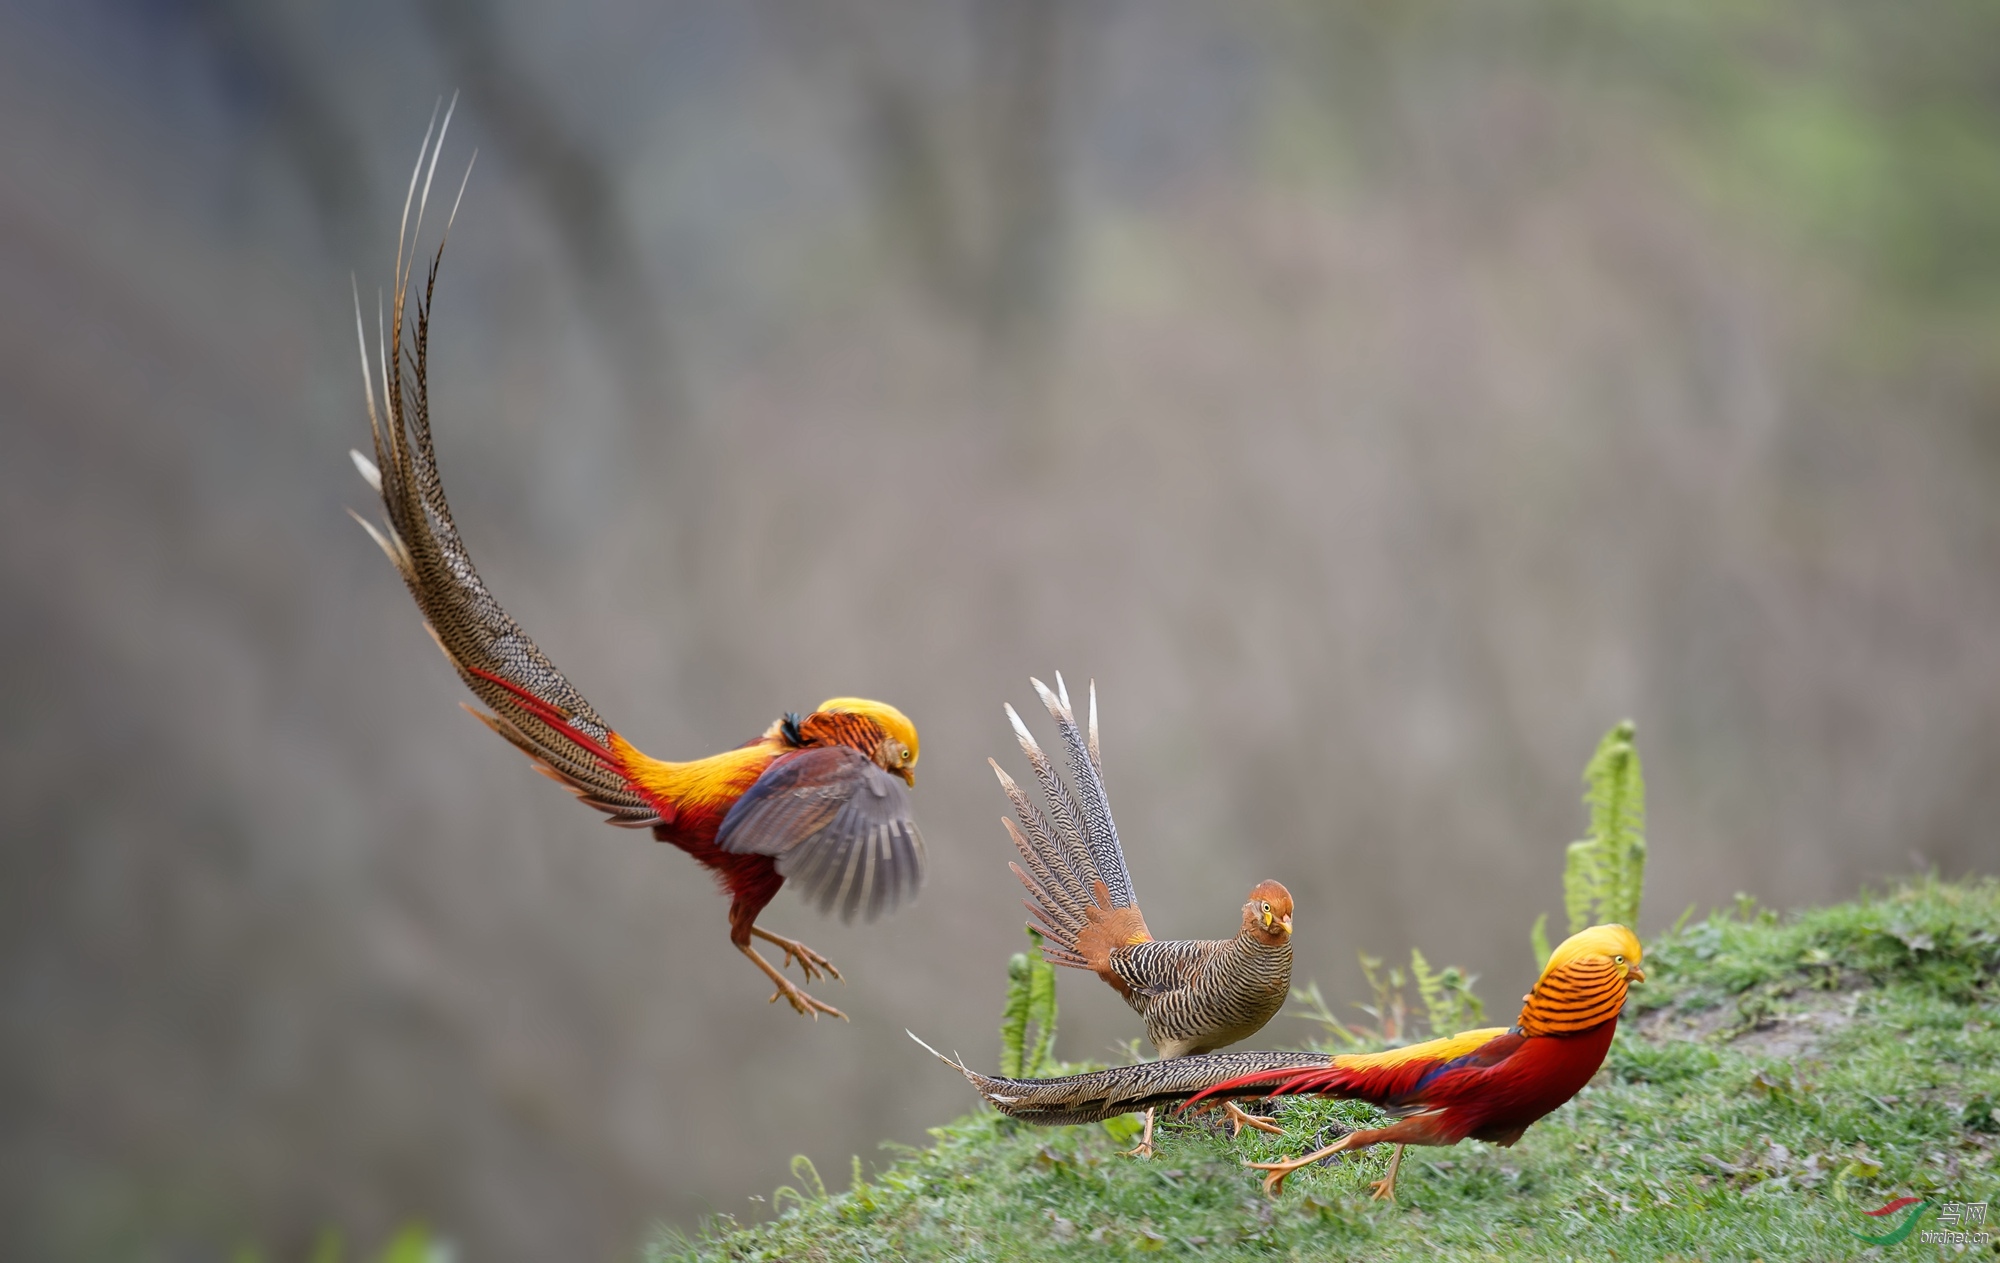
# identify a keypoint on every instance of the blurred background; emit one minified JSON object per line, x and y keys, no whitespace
{"x":1378,"y":400}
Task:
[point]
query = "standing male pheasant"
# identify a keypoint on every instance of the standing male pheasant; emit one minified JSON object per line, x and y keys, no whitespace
{"x":1195,"y":995}
{"x":1489,"y":1084}
{"x":820,"y":800}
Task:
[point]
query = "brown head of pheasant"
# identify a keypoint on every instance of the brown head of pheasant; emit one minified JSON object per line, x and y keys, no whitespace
{"x":1267,"y":918}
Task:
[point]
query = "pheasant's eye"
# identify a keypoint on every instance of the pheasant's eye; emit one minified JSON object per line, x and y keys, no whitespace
{"x":905,"y":754}
{"x":1619,"y":959}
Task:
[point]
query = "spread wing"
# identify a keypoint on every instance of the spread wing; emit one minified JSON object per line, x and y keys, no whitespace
{"x":533,"y":705}
{"x":839,"y":826}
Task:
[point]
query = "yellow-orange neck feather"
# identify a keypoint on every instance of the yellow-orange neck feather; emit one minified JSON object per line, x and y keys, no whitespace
{"x":713,"y":783}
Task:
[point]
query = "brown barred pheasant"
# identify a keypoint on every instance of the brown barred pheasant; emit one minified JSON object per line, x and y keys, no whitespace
{"x":1196,"y":995}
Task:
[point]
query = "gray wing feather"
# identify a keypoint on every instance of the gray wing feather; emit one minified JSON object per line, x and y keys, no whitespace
{"x":847,"y":842}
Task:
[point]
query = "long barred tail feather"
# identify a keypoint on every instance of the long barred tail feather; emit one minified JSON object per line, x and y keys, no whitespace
{"x":1102,"y":1094}
{"x":1328,"y":1079}
{"x":1086,"y":770}
{"x":532,"y":704}
{"x":1063,"y":824}
{"x":1072,"y":865}
{"x":1062,"y":878}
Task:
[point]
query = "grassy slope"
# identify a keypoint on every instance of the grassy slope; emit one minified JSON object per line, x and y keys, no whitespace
{"x":1779,"y":1077}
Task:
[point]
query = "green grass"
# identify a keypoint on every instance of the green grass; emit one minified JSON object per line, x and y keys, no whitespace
{"x":1775,"y":1077}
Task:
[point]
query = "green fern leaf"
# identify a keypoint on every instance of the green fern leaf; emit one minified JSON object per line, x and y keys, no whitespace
{"x":1028,"y":1023}
{"x":1014,"y":1018}
{"x":1604,"y":875}
{"x":1041,"y":1008}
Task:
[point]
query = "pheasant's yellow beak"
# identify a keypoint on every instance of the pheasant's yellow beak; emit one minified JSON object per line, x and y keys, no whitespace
{"x":1286,"y":926}
{"x":1634,"y":974}
{"x":909,"y":775}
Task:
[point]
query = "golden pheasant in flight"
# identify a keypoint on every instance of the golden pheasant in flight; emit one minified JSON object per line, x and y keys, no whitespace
{"x":1195,"y":995}
{"x":820,"y":800}
{"x":1489,"y":1084}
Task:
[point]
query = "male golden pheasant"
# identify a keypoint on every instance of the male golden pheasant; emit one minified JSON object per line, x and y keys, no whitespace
{"x":1196,"y":995}
{"x":819,"y":800}
{"x":1486,"y":1084}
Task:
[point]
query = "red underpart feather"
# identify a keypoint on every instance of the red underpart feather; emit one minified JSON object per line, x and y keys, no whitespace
{"x":1491,"y":1094}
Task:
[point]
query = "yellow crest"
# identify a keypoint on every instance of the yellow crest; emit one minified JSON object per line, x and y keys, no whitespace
{"x":1609,"y":942}
{"x":894,"y":722}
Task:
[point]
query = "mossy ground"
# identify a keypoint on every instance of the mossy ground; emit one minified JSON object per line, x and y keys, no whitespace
{"x":1775,"y":1078}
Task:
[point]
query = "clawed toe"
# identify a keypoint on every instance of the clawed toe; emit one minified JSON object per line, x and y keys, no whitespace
{"x":810,"y":963}
{"x":1274,"y":1183}
{"x":1238,"y":1120}
{"x":799,"y":1000}
{"x":805,"y":1003}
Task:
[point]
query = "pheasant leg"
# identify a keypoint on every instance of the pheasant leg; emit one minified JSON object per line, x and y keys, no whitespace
{"x":811,"y":963}
{"x":799,"y":999}
{"x":1274,"y":1183}
{"x":1238,"y":1120}
{"x":1385,"y":1188}
{"x":1144,"y":1149}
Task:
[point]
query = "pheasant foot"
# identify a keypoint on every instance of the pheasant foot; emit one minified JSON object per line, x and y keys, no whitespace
{"x":789,"y":990}
{"x":1274,"y":1183}
{"x":1144,"y":1149}
{"x":1238,"y":1120}
{"x":811,"y":963}
{"x":1384,"y":1189}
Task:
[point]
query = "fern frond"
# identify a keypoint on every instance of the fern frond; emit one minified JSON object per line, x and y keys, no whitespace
{"x":1463,"y":1009}
{"x":1041,"y":1009}
{"x":1449,"y":1004}
{"x":1031,"y":1003}
{"x":1583,"y":882}
{"x":1014,"y":1018}
{"x":1430,"y":989}
{"x":1604,"y":875}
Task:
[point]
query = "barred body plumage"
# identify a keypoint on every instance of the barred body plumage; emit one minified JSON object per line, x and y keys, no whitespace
{"x":1223,"y":990}
{"x":1195,"y":995}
